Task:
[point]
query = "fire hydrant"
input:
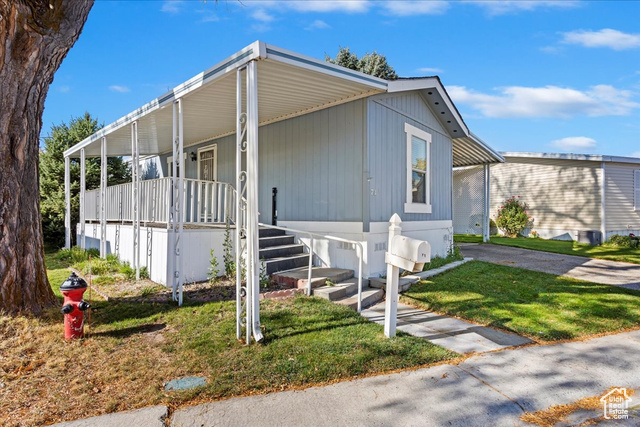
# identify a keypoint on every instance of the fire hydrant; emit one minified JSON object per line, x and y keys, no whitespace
{"x":74,"y":306}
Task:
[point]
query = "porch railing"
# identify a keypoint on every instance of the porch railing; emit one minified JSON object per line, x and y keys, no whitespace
{"x":204,"y":202}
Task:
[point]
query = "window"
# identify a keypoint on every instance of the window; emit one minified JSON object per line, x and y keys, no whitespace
{"x":636,"y":188}
{"x":170,"y":165}
{"x":418,"y":170}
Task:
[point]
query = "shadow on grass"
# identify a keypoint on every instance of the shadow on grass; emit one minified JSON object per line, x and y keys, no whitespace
{"x":134,"y":330}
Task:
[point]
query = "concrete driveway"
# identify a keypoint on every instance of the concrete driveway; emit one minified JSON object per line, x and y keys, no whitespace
{"x":593,"y":270}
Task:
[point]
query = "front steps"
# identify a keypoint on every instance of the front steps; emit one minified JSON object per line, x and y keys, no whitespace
{"x":334,"y":284}
{"x":278,"y":251}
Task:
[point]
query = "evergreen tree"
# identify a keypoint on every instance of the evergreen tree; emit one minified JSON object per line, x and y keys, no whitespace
{"x":52,"y":202}
{"x":371,"y":63}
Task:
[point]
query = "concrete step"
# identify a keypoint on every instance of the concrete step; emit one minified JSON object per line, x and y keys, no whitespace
{"x":285,"y":263}
{"x":319,"y":275}
{"x":280,"y":251}
{"x":370,"y":296}
{"x":270,"y":232}
{"x":265,"y":242}
{"x":338,"y":290}
{"x":403,"y":285}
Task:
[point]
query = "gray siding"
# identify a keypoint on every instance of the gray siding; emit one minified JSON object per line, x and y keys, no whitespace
{"x":315,"y":162}
{"x":388,"y":157}
{"x":620,"y":214}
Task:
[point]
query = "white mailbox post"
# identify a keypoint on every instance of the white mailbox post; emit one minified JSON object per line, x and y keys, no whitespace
{"x":408,"y":254}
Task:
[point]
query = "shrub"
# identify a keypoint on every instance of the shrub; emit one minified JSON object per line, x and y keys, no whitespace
{"x":513,"y":216}
{"x":622,"y":241}
{"x":213,"y":271}
{"x":127,"y":271}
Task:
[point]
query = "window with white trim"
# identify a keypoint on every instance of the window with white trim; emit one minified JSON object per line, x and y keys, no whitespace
{"x":418,"y":170}
{"x":636,"y":188}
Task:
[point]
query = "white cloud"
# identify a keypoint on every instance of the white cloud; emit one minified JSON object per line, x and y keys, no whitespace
{"x":349,"y":6}
{"x":172,"y":6}
{"x":119,"y":89}
{"x":547,"y":101}
{"x":430,"y":70}
{"x":502,"y":7}
{"x":613,"y":39}
{"x":573,"y":143}
{"x":635,"y":154}
{"x":262,"y":16}
{"x":415,"y":7}
{"x":317,"y":25}
{"x":64,"y":89}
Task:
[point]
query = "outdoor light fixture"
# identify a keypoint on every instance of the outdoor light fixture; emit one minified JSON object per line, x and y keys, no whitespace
{"x":194,"y":156}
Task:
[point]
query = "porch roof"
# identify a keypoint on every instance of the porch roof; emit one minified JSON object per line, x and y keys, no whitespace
{"x":289,"y":85}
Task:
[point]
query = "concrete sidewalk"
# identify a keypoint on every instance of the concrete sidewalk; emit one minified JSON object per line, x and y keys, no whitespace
{"x":593,"y":270}
{"x":448,"y":332}
{"x":489,"y":389}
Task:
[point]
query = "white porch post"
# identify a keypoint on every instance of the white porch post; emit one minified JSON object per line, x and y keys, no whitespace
{"x":135,"y":197}
{"x":82,"y":204}
{"x":253,"y":259}
{"x":103,"y":197}
{"x":247,"y":186}
{"x":486,"y":225}
{"x":67,"y":203}
{"x":177,"y":212}
{"x":240,"y":231}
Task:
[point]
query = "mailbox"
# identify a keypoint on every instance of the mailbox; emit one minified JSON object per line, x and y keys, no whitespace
{"x":408,"y":254}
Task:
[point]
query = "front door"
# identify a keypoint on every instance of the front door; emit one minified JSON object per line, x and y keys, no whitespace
{"x":208,"y":163}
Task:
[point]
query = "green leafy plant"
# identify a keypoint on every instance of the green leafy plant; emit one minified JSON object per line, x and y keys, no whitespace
{"x":513,"y":216}
{"x":213,"y":271}
{"x":127,"y":271}
{"x":144,"y":272}
{"x":265,"y":281}
{"x":229,"y":256}
{"x":622,"y":241}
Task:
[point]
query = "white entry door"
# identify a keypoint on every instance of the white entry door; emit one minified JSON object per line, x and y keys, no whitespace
{"x":208,"y":163}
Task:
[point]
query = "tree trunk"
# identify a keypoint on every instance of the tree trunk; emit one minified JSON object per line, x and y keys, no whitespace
{"x":35,"y":35}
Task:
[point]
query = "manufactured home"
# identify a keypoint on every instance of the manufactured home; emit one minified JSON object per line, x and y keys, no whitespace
{"x":269,"y":136}
{"x":580,"y":197}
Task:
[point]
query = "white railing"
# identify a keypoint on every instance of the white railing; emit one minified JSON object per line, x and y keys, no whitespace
{"x":312,"y":236}
{"x":204,"y":202}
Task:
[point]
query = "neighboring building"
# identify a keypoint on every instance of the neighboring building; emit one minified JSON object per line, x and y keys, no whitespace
{"x":571,"y":196}
{"x":339,"y":151}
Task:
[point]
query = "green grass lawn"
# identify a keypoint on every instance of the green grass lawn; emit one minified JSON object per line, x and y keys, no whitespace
{"x":561,"y":247}
{"x":132,"y":348}
{"x":541,"y":306}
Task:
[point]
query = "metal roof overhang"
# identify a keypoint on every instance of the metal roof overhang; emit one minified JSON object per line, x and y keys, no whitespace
{"x":468,"y":149}
{"x":289,"y":85}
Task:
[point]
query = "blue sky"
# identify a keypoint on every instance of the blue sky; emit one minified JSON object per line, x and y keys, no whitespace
{"x":526,"y":75}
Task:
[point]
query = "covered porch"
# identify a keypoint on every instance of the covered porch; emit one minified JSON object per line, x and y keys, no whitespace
{"x":259,"y":85}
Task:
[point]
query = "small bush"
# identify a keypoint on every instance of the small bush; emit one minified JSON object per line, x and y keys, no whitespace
{"x":144,"y":272}
{"x":127,"y":271}
{"x":213,"y":271}
{"x":513,"y":216}
{"x":97,"y":267}
{"x":622,"y":241}
{"x":77,"y":255}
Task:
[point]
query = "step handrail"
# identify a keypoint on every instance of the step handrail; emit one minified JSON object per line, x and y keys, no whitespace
{"x":311,"y":236}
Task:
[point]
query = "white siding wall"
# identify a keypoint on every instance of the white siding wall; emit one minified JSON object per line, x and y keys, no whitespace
{"x":620,"y":216}
{"x":564,"y":195}
{"x":197,"y":244}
